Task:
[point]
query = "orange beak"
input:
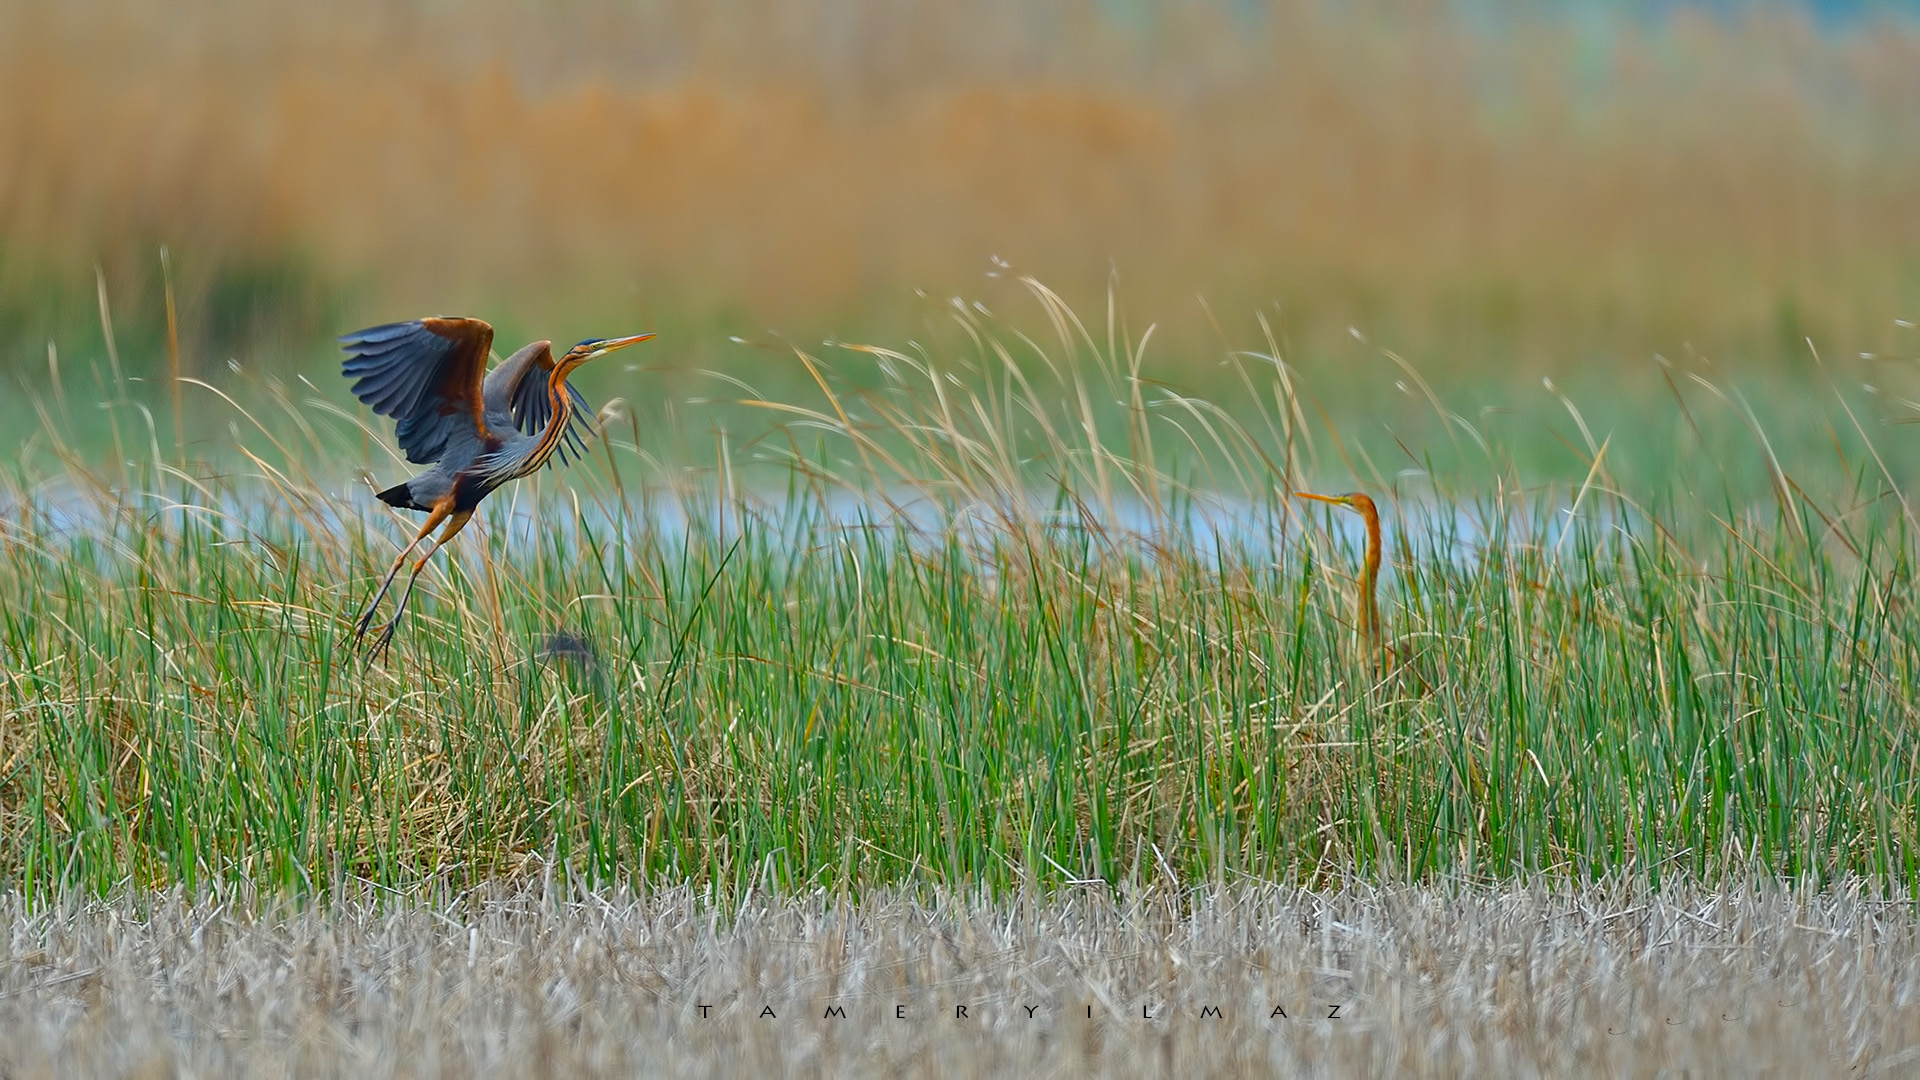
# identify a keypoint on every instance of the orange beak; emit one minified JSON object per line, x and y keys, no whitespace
{"x":618,"y":343}
{"x":1337,"y":500}
{"x":575,"y":357}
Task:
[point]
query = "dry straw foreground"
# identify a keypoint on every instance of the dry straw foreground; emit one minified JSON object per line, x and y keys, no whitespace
{"x":1614,"y":980}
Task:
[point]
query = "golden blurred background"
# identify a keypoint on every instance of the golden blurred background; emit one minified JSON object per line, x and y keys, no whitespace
{"x":1516,"y":191}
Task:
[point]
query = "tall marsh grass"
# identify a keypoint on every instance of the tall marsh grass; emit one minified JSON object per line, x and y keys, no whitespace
{"x":1016,"y":616}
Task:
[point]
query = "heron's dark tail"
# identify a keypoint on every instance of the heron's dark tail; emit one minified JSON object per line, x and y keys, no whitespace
{"x":401,"y":495}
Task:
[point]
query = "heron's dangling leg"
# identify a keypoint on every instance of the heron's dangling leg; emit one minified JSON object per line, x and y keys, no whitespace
{"x":438,"y":515}
{"x":456,"y":520}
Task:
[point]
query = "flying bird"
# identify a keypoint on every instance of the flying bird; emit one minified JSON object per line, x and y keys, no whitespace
{"x":474,"y":433}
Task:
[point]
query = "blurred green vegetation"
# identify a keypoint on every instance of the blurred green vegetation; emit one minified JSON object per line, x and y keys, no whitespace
{"x":1394,"y":416}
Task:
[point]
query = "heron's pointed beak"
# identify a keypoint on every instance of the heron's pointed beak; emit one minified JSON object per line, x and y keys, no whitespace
{"x":1337,"y":500}
{"x":612,"y":344}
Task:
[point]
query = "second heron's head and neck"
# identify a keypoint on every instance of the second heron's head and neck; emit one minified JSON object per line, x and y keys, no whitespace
{"x":1370,"y":573}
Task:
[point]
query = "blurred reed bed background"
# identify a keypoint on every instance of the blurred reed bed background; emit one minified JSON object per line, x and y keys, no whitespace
{"x":1510,"y":192}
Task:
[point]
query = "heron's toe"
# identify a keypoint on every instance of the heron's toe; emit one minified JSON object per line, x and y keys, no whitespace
{"x":384,"y":639}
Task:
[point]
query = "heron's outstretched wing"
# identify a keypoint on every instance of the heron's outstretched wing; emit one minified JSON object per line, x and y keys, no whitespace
{"x":425,"y":374}
{"x":532,"y":407}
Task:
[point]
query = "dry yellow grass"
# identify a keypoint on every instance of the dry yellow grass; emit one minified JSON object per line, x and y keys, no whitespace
{"x":1734,"y":185}
{"x":1607,"y":980}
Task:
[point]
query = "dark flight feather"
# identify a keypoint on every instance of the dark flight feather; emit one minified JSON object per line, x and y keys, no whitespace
{"x":425,"y":374}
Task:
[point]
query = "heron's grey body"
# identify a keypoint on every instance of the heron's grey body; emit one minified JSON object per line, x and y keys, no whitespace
{"x":419,"y":372}
{"x":474,"y":429}
{"x":465,"y":446}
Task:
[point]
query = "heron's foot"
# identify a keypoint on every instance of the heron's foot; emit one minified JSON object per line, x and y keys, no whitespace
{"x":383,"y":639}
{"x":366,"y":620}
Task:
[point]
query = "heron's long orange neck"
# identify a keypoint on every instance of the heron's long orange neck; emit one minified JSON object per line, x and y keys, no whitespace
{"x":558,"y":416}
{"x":1369,"y":614}
{"x":1370,"y":573}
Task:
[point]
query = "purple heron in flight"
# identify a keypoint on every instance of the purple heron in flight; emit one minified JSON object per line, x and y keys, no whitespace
{"x":474,"y":433}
